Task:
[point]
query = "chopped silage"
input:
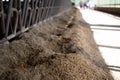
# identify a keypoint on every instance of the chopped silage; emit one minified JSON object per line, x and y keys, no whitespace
{"x":59,"y":49}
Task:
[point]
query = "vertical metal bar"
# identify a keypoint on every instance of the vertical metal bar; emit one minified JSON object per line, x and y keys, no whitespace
{"x":8,"y":17}
{"x":19,"y":16}
{"x":34,"y":14}
{"x":55,"y":7}
{"x":48,"y":8}
{"x":44,"y":10}
{"x":16,"y":22}
{"x":25,"y":12}
{"x":58,"y":6}
{"x":61,"y":6}
{"x":16,"y":16}
{"x":31,"y":12}
{"x":2,"y":26}
{"x":41,"y":10}
{"x":52,"y":8}
{"x":38,"y":13}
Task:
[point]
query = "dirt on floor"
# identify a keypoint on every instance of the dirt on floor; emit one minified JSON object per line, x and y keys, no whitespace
{"x":62,"y":48}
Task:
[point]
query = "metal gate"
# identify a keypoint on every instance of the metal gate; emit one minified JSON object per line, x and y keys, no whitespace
{"x":17,"y":16}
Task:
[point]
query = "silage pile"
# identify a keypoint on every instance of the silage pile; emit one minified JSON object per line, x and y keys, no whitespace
{"x":60,"y":49}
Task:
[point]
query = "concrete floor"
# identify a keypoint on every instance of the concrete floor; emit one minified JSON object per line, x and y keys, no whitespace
{"x":106,"y":30}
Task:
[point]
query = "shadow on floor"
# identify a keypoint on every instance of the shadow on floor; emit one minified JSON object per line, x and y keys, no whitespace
{"x":105,"y":25}
{"x":106,"y":29}
{"x":113,"y":68}
{"x":115,"y":47}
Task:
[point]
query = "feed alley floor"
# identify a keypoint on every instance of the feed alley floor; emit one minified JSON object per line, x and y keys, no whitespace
{"x":106,"y":31}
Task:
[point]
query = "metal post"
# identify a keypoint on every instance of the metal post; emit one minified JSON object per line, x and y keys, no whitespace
{"x":2,"y":23}
{"x":8,"y":17}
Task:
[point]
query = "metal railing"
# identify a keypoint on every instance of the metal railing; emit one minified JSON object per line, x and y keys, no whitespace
{"x":18,"y":16}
